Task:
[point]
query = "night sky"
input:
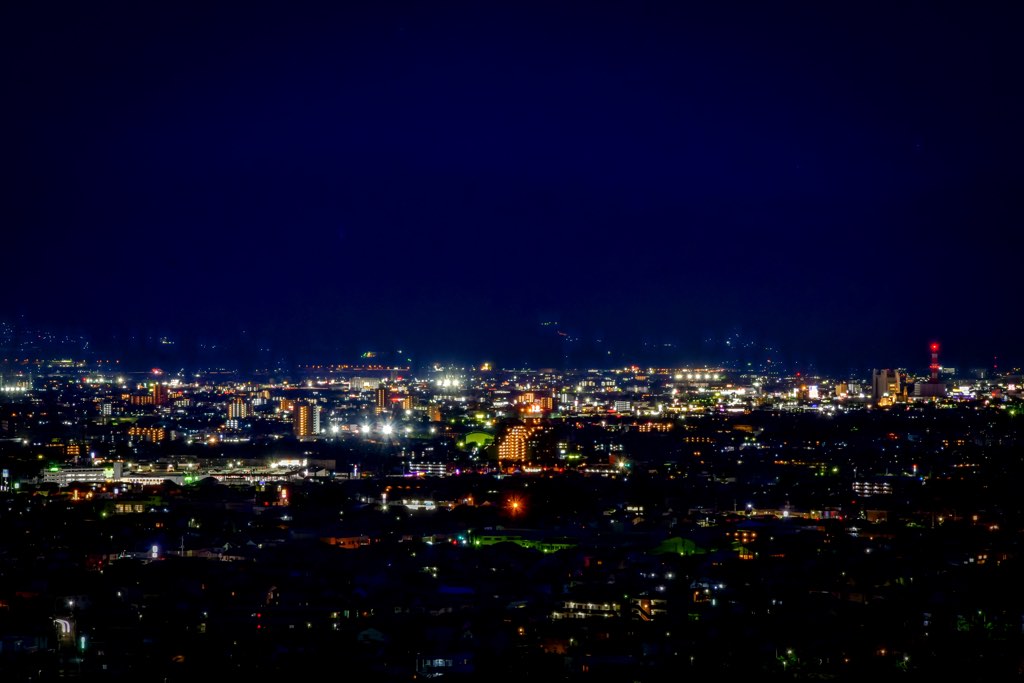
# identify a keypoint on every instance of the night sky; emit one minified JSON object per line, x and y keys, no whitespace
{"x":840,"y":183}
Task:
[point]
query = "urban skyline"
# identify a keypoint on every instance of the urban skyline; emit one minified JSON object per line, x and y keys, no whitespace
{"x":472,"y":522}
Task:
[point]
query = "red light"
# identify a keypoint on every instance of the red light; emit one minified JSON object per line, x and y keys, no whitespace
{"x":935,"y":347}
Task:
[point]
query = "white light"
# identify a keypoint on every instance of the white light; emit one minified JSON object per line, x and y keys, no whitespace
{"x":386,"y":429}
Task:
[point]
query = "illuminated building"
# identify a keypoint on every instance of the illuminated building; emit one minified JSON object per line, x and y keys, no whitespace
{"x":667,"y":427}
{"x":647,"y":608}
{"x":579,"y":609}
{"x":429,"y":469}
{"x":888,"y":386}
{"x":363,"y":383}
{"x":151,"y":434}
{"x":306,"y":420}
{"x":159,"y":393}
{"x":381,"y":405}
{"x":64,"y":476}
{"x":238,"y":408}
{"x":872,"y":488}
{"x":513,"y":445}
{"x":434,"y":412}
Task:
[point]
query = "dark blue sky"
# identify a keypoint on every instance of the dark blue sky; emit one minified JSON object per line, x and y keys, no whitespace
{"x":841,"y":181}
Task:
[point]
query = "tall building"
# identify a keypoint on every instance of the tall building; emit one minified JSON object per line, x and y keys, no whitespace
{"x":513,"y":446}
{"x":381,"y":403}
{"x":238,"y":408}
{"x":306,"y":420}
{"x":159,"y":394}
{"x":888,"y":386}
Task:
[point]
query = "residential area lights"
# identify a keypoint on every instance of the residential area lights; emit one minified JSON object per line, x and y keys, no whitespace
{"x":626,"y":512}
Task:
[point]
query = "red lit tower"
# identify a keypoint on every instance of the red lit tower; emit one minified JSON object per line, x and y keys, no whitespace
{"x":934,"y":387}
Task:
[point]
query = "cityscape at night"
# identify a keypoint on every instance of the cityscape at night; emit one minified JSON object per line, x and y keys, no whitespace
{"x":631,"y":523}
{"x":627,"y":342}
